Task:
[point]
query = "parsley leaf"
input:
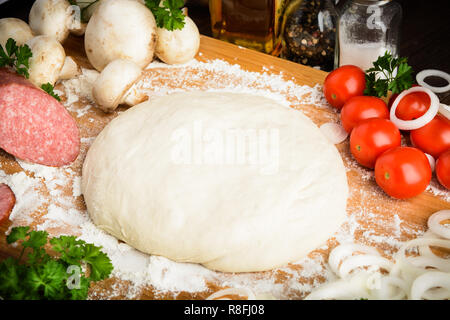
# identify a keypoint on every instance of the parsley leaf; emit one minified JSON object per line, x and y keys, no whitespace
{"x":47,"y":87}
{"x":16,"y":56}
{"x":17,"y":233}
{"x":100,"y":265}
{"x":44,"y":277}
{"x":168,"y":13}
{"x":388,"y":74}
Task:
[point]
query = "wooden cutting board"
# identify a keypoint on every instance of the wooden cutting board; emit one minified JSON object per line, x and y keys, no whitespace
{"x":370,"y":208}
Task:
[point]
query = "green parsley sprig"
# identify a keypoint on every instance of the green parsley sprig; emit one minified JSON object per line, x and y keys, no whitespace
{"x":47,"y":87}
{"x":388,"y":74}
{"x":52,"y":278}
{"x":169,"y":15}
{"x":16,"y":56}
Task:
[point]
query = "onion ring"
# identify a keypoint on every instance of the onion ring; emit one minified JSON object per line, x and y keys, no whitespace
{"x":436,"y":294}
{"x":421,"y":121}
{"x":347,"y":249}
{"x":427,"y":281}
{"x":444,"y":110}
{"x":354,"y":288}
{"x":358,"y":261}
{"x":431,"y":161}
{"x":420,"y":78}
{"x":334,"y":132}
{"x":433,"y":262}
{"x":391,"y":288}
{"x":434,"y":223}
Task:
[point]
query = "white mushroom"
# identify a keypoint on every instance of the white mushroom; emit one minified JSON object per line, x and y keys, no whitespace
{"x":178,"y":46}
{"x":120,"y":29}
{"x":47,"y":60}
{"x":114,"y":85}
{"x":16,"y":29}
{"x":55,"y":18}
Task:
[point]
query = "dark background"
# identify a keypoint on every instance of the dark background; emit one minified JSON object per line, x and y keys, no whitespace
{"x":425,"y":37}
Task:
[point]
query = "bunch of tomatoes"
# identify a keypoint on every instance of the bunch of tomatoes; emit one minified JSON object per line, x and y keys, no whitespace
{"x":375,"y":141}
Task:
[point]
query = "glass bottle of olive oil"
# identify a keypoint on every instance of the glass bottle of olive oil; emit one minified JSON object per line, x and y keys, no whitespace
{"x":253,"y":24}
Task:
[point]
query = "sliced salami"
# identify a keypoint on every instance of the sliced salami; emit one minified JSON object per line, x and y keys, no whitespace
{"x":7,"y":202}
{"x":33,"y":125}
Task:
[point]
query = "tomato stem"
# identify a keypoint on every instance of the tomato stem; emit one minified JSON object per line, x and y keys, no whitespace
{"x":387,"y":176}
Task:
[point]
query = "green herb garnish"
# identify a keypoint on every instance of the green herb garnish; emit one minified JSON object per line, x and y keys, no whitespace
{"x":16,"y":56}
{"x":47,"y":87}
{"x":169,"y":15}
{"x":44,"y":277}
{"x":388,"y":74}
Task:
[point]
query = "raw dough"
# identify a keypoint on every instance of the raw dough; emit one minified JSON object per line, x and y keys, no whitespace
{"x":151,"y":179}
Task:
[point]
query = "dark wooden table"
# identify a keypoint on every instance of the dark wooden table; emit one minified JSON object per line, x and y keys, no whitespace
{"x":425,"y":31}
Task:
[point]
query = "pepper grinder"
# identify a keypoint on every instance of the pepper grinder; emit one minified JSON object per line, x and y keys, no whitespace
{"x":366,"y":30}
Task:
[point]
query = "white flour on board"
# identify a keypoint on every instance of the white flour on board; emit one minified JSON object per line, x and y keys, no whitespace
{"x":141,"y":270}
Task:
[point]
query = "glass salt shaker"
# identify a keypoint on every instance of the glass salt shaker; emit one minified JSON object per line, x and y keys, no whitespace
{"x":366,"y":30}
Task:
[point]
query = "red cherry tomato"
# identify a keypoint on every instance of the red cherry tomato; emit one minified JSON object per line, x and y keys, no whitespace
{"x":434,"y":137}
{"x":394,"y":96}
{"x":370,"y":138}
{"x":413,"y":106}
{"x":403,"y":172}
{"x":361,"y":108}
{"x":443,"y":169}
{"x":344,"y":83}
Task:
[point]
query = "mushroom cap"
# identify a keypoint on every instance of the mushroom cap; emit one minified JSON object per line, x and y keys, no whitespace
{"x":14,"y":28}
{"x":178,"y":46}
{"x":47,"y":60}
{"x":113,"y":82}
{"x":120,"y":29}
{"x":50,"y":18}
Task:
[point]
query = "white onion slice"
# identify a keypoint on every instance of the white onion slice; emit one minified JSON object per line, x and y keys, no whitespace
{"x":421,"y":121}
{"x":420,"y":78}
{"x":334,"y":132}
{"x":430,"y":262}
{"x":345,"y":250}
{"x":436,"y":294}
{"x":425,"y":251}
{"x":427,"y":281}
{"x":431,"y":161}
{"x":354,"y":262}
{"x":443,"y":243}
{"x":391,"y":288}
{"x":353,"y":288}
{"x":444,"y":110}
{"x":434,"y":223}
{"x":242,"y":292}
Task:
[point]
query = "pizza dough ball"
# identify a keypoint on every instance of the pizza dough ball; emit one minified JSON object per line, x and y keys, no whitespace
{"x":235,"y":182}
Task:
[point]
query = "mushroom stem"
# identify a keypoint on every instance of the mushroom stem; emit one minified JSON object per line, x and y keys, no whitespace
{"x":69,"y":70}
{"x":133,"y":97}
{"x":114,"y":85}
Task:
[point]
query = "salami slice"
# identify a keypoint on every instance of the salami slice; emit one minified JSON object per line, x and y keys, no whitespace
{"x":33,"y":125}
{"x":7,"y":202}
